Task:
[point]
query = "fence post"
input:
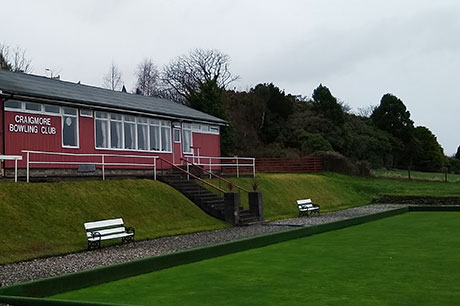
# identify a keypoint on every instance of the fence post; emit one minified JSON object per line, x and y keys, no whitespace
{"x":210,"y":167}
{"x":188,"y":172}
{"x":15,"y":170}
{"x":28,"y":173}
{"x":237,"y":167}
{"x":254,"y":167}
{"x":103,"y":167}
{"x":154,"y":169}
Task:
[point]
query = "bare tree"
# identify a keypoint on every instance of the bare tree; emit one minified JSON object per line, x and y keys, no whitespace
{"x":366,"y":111}
{"x":112,"y":80}
{"x":148,"y":79}
{"x":184,"y":75}
{"x":14,"y":59}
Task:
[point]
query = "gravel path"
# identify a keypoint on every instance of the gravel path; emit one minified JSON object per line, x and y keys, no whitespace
{"x":57,"y":265}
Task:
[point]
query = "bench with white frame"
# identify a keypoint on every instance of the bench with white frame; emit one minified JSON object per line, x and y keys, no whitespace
{"x":98,"y":231}
{"x":306,"y":207}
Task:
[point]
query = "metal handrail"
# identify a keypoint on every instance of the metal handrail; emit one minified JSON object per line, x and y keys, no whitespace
{"x":215,"y":175}
{"x":192,"y":175}
{"x":236,"y":158}
{"x":101,"y":163}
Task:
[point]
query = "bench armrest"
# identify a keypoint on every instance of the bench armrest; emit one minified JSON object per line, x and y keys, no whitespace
{"x":95,"y":235}
{"x":130,"y":230}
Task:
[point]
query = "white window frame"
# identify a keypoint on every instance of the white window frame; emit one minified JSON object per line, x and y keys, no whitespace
{"x":120,"y":121}
{"x":77,"y":146}
{"x":107,"y":119}
{"x":142,"y":121}
{"x":88,"y":115}
{"x":187,"y":128}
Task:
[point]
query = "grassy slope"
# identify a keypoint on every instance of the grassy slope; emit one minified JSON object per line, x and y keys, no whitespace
{"x":42,"y":219}
{"x":397,"y":266}
{"x":334,"y":191}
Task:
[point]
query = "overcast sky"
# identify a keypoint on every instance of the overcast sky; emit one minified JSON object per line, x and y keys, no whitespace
{"x":360,"y":49}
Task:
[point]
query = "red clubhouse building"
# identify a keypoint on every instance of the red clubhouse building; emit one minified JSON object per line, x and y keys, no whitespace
{"x":51,"y":124}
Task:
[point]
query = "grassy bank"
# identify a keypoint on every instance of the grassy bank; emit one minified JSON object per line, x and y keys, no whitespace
{"x":41,"y":219}
{"x":334,"y":191}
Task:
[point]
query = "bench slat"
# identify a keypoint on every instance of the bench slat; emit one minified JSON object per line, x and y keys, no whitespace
{"x":304,"y":201}
{"x":103,"y":223}
{"x":109,"y":231}
{"x":114,"y":236}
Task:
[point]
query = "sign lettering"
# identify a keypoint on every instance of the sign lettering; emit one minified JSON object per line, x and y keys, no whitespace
{"x":32,"y":125}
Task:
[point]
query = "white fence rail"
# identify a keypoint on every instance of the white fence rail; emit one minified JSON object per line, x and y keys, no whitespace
{"x":15,"y":158}
{"x":100,"y":160}
{"x":216,"y":161}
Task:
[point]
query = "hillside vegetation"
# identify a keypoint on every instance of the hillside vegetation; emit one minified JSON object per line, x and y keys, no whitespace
{"x":43,"y":219}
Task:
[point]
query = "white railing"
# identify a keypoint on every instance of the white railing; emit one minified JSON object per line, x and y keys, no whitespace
{"x":100,"y":161}
{"x":15,"y":158}
{"x":210,"y":162}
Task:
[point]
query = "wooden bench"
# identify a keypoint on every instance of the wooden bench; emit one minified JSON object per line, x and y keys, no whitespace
{"x":98,"y":231}
{"x":306,"y":207}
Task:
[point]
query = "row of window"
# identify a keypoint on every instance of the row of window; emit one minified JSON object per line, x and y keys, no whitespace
{"x":116,"y":131}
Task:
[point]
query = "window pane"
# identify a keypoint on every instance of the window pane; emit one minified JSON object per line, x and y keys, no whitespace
{"x":155,"y":121}
{"x":116,"y":135}
{"x":86,"y":113}
{"x":33,"y":107}
{"x":13,"y":104}
{"x":102,"y":134}
{"x":142,"y":120}
{"x":130,"y":137}
{"x":187,"y":143}
{"x":52,"y":109}
{"x":102,"y":115}
{"x":154,"y":138}
{"x":187,"y":126}
{"x":142,"y":137}
{"x":115,"y":117}
{"x":214,"y":129}
{"x":69,"y":131}
{"x":176,"y":135}
{"x":70,"y":111}
{"x":165,"y":138}
{"x":130,"y":118}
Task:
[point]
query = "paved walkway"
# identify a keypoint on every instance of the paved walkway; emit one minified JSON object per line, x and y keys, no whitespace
{"x":57,"y":265}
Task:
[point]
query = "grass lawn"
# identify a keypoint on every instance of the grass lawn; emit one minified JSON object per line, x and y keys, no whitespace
{"x":416,"y":175}
{"x":411,"y":259}
{"x":333,"y":191}
{"x":43,"y":219}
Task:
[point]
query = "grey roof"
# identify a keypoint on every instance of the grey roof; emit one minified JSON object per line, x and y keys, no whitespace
{"x":17,"y":83}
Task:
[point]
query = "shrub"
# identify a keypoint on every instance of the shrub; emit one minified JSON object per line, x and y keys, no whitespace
{"x":336,"y":162}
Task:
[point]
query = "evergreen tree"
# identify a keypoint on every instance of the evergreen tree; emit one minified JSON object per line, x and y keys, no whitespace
{"x":326,"y":104}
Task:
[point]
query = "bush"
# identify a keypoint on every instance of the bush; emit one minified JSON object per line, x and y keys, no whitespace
{"x":336,"y":162}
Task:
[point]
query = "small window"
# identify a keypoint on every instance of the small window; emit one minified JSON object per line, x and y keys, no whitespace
{"x":154,"y":121}
{"x":70,"y":111}
{"x":115,"y":117}
{"x":142,"y":120}
{"x":33,"y":107}
{"x":52,"y":109}
{"x":214,"y":129}
{"x":86,"y":113}
{"x":176,"y":135}
{"x":196,"y":127}
{"x":13,"y":104}
{"x":130,"y":118}
{"x":102,"y":115}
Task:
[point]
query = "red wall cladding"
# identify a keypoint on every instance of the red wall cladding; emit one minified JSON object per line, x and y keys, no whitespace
{"x":40,"y":132}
